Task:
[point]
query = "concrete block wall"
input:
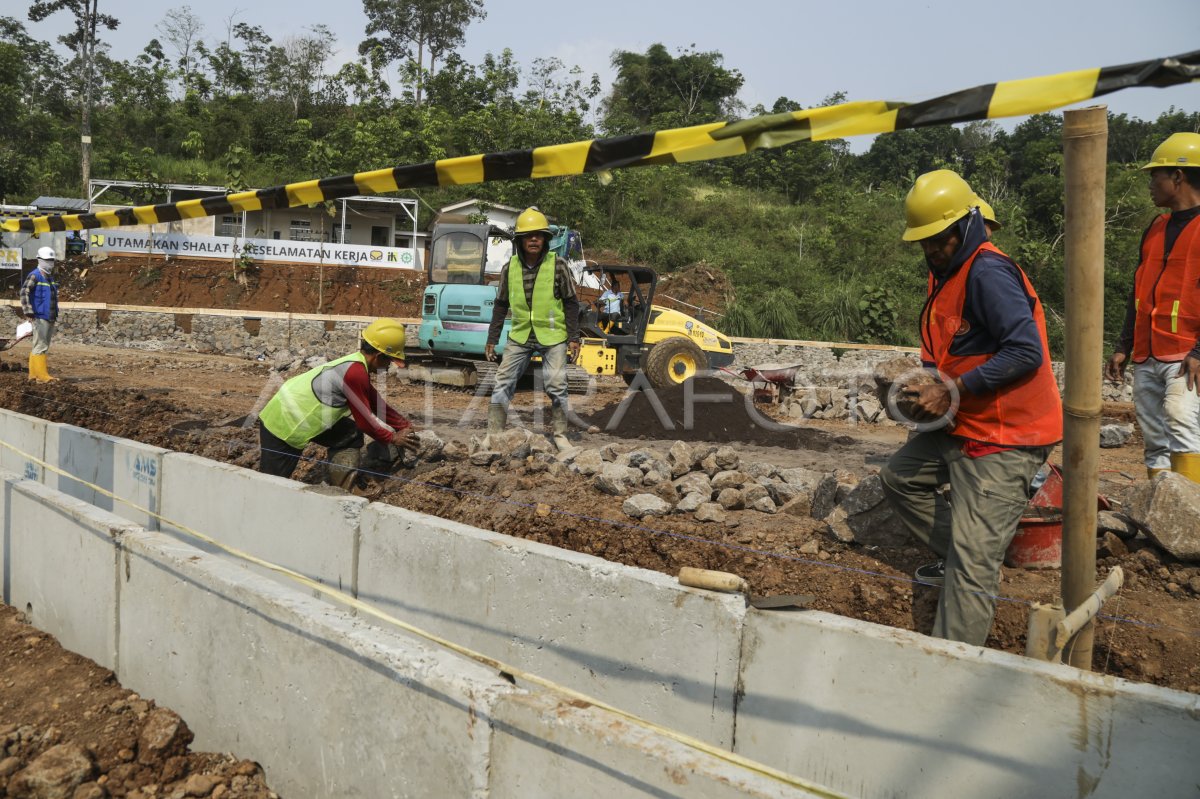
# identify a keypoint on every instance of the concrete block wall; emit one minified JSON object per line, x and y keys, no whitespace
{"x":330,"y":705}
{"x":547,"y":749}
{"x":60,"y":566}
{"x":310,"y":529}
{"x":126,"y":468}
{"x":27,"y":434}
{"x":880,"y":712}
{"x":871,"y":710}
{"x":631,"y":637}
{"x":337,"y":707}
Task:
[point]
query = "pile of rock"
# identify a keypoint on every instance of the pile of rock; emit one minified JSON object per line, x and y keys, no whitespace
{"x":712,"y":483}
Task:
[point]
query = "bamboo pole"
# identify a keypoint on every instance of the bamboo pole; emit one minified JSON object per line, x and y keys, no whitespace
{"x":1085,"y":141}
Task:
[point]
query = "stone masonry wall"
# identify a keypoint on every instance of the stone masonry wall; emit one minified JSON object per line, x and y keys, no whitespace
{"x":285,"y":339}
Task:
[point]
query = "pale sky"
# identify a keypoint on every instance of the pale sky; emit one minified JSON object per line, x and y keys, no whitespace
{"x":802,"y":49}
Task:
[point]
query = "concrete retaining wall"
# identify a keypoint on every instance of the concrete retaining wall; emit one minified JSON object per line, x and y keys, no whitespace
{"x":630,"y":637}
{"x":127,"y":468}
{"x":336,"y":707}
{"x":870,"y":710}
{"x":310,"y":529}
{"x":28,"y":434}
{"x":880,"y":712}
{"x":330,"y":706}
{"x":60,"y":566}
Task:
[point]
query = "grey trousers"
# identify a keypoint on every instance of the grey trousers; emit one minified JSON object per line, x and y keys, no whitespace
{"x":971,"y":529}
{"x":43,"y":329}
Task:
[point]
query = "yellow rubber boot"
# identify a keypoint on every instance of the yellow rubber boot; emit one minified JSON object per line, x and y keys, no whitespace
{"x":1187,"y":464}
{"x":37,"y":369}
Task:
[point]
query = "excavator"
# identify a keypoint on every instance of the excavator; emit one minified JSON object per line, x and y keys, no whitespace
{"x":662,"y":345}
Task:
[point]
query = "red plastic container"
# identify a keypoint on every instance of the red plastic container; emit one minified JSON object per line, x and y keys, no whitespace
{"x":1038,"y":542}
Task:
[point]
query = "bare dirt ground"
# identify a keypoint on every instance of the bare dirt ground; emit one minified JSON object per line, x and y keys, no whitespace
{"x":195,"y":403}
{"x":67,"y":728}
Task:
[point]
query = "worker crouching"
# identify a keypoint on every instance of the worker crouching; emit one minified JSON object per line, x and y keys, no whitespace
{"x":333,"y":405}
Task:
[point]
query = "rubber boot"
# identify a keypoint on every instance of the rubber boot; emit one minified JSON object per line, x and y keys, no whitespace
{"x":343,"y":466}
{"x":45,"y":369}
{"x":1151,"y":472}
{"x":558,"y":422}
{"x":37,"y":369}
{"x":1187,"y":464}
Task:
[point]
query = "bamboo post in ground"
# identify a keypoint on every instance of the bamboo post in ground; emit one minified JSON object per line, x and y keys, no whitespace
{"x":1085,"y":141}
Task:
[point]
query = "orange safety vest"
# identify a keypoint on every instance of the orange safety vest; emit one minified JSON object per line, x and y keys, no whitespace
{"x":1166,"y":294}
{"x":1024,"y":413}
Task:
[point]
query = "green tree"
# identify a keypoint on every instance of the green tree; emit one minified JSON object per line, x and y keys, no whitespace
{"x":416,"y":30}
{"x":83,"y":41}
{"x":657,"y":90}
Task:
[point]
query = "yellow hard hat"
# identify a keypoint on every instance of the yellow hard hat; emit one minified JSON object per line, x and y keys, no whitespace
{"x":387,"y":336}
{"x":936,"y":201}
{"x":532,"y":220}
{"x":1178,"y":151}
{"x":988,"y":213}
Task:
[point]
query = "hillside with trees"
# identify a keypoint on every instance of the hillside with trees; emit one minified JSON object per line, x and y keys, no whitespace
{"x":808,"y":234}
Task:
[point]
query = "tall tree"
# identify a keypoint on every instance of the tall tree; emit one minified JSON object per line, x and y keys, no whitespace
{"x":83,"y":41}
{"x":296,"y":71}
{"x":182,"y":28}
{"x":656,"y":89}
{"x":417,"y":30}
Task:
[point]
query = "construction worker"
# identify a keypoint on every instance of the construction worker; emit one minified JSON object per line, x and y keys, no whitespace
{"x":989,"y":215}
{"x":333,"y":405}
{"x":539,"y":291}
{"x":610,"y":304}
{"x":1162,"y":321}
{"x":39,"y":302}
{"x":984,"y":331}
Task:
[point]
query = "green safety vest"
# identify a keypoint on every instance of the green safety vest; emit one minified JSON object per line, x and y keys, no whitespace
{"x":296,"y":415}
{"x":547,"y":319}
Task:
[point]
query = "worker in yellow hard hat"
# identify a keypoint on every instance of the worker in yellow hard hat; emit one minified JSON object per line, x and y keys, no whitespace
{"x":1162,"y":321}
{"x":539,"y":291}
{"x":333,"y":405}
{"x":988,"y":423}
{"x":989,"y":215}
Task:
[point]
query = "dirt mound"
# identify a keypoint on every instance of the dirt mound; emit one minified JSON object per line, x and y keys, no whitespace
{"x":707,"y":410}
{"x":205,"y":283}
{"x":698,"y":285}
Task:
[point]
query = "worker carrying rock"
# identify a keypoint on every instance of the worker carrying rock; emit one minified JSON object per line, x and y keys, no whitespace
{"x":333,"y":405}
{"x":1162,"y":320}
{"x":984,"y":331}
{"x":39,"y":303}
{"x":540,"y":293}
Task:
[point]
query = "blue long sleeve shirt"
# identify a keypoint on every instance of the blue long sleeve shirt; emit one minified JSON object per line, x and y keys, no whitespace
{"x":999,"y":314}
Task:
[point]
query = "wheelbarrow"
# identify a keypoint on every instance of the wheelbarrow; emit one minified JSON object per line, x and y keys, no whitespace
{"x":769,"y":380}
{"x":24,"y":331}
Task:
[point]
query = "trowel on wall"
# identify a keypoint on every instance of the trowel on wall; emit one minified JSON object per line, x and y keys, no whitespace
{"x":733,"y":584}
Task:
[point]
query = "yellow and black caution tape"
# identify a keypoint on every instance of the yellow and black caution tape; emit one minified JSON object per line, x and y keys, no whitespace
{"x":679,"y":145}
{"x":504,"y":668}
